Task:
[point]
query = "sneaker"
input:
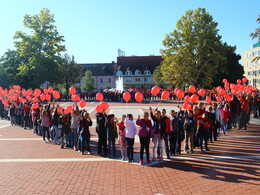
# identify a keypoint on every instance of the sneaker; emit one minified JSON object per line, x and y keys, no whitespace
{"x":129,"y":161}
{"x":161,"y":158}
{"x":141,"y":162}
{"x":122,"y":159}
{"x":44,"y":141}
{"x":153,"y":159}
{"x":61,"y":147}
{"x":148,"y":162}
{"x":192,"y":151}
{"x":75,"y":148}
{"x":207,"y":149}
{"x":82,"y":153}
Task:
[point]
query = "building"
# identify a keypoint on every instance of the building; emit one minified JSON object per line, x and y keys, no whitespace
{"x":136,"y":71}
{"x":252,"y":68}
{"x":102,"y":73}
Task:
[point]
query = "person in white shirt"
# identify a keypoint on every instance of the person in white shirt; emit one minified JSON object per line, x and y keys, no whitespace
{"x":130,"y":136}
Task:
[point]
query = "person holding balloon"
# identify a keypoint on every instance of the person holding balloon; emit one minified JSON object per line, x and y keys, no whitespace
{"x":145,"y":134}
{"x":55,"y":123}
{"x":75,"y":125}
{"x":45,"y":124}
{"x":157,"y":139}
{"x":130,"y":136}
{"x":65,"y":128}
{"x":165,"y":131}
{"x":122,"y":140}
{"x":84,"y":133}
{"x":111,"y":135}
{"x":26,"y":111}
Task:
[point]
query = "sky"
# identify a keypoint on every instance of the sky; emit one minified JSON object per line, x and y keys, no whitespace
{"x":94,"y":30}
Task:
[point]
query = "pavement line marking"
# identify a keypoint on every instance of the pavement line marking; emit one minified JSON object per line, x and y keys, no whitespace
{"x":30,"y":139}
{"x":215,"y":157}
{"x":56,"y":160}
{"x":241,"y":136}
{"x":4,"y":126}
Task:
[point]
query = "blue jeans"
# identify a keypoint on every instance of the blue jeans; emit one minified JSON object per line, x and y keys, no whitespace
{"x":56,"y":133}
{"x":166,"y":143}
{"x":75,"y":137}
{"x":225,"y":126}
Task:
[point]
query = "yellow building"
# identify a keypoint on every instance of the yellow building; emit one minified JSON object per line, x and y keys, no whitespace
{"x":252,"y":68}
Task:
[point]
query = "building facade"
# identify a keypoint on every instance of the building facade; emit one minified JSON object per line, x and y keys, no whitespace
{"x":252,"y":68}
{"x":102,"y":73}
{"x":136,"y":71}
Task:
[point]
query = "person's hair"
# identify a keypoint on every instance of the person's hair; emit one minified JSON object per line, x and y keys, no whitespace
{"x":130,"y":116}
{"x":191,"y":111}
{"x":163,"y":110}
{"x":146,"y":113}
{"x":123,"y":115}
{"x":173,"y":111}
{"x":210,"y":108}
{"x":215,"y":104}
{"x":85,"y":113}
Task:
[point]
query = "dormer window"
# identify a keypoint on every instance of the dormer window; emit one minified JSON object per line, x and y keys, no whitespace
{"x":147,"y":72}
{"x":119,"y":73}
{"x":137,"y":72}
{"x":128,"y":72}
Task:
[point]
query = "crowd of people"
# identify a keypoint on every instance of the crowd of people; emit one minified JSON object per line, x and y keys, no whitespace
{"x":171,"y":133}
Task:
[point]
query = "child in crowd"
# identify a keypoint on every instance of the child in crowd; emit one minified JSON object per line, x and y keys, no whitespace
{"x":111,"y":135}
{"x":122,"y":140}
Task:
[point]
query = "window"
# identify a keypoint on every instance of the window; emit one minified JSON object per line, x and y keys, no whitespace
{"x":147,"y":72}
{"x":137,"y":79}
{"x":128,"y":72}
{"x":146,"y":79}
{"x":249,"y":73}
{"x":119,"y":73}
{"x":101,"y":80}
{"x":137,"y":72}
{"x":109,"y":80}
{"x":128,"y":80}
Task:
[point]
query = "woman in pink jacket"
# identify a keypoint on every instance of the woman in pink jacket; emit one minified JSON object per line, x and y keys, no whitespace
{"x":145,"y":133}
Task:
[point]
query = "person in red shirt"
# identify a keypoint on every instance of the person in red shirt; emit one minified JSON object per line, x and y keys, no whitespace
{"x":225,"y":113}
{"x":26,"y":112}
{"x":203,"y":125}
{"x":122,"y":140}
{"x":243,"y":113}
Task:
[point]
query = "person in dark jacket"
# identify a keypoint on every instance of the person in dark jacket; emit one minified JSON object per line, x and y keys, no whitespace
{"x":102,"y":133}
{"x":203,"y":126}
{"x":165,"y":131}
{"x":189,"y":129}
{"x":84,"y":133}
{"x":112,"y":135}
{"x":174,"y":133}
{"x":145,"y":134}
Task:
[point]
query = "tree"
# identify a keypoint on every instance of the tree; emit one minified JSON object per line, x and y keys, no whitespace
{"x":193,"y":51}
{"x":41,"y":50}
{"x":232,"y":69}
{"x":71,"y":72}
{"x":9,"y":64}
{"x":108,"y":86}
{"x":88,"y":82}
{"x":256,"y":35}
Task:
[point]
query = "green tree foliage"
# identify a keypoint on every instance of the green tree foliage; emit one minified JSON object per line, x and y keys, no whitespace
{"x":193,"y":52}
{"x":256,"y":35}
{"x":41,"y":50}
{"x":232,"y":69}
{"x":71,"y":72}
{"x":88,"y":82}
{"x":9,"y":64}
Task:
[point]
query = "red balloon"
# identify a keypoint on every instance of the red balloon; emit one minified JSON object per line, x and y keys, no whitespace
{"x":50,"y":90}
{"x":42,"y":97}
{"x":225,"y":81}
{"x":104,"y":105}
{"x":99,"y":109}
{"x":37,"y":91}
{"x":75,"y":98}
{"x":45,"y":91}
{"x":238,"y":81}
{"x":35,"y":100}
{"x":208,"y":99}
{"x":28,"y":98}
{"x":192,"y":89}
{"x":155,"y":90}
{"x":72,"y":91}
{"x":56,"y":95}
{"x":187,"y":98}
{"x":21,"y":99}
{"x":219,"y":99}
{"x":82,"y":103}
{"x":244,"y":80}
{"x":227,"y":86}
{"x":59,"y":110}
{"x":5,"y":102}
{"x":48,"y":97}
{"x":180,"y":94}
{"x":165,"y":95}
{"x":126,"y":96}
{"x":202,"y":92}
{"x":190,"y":107}
{"x":35,"y":106}
{"x":185,"y":105}
{"x":99,"y":97}
{"x":29,"y":92}
{"x":139,"y":97}
{"x":68,"y":110}
{"x":194,"y":98}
